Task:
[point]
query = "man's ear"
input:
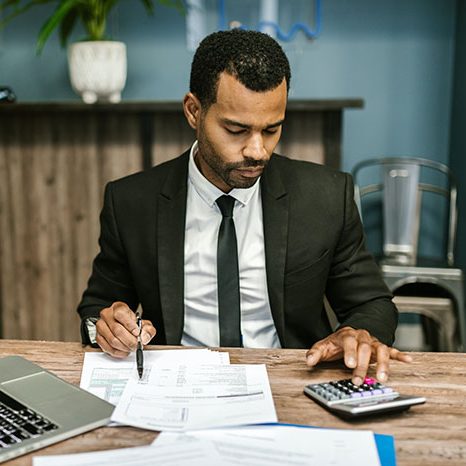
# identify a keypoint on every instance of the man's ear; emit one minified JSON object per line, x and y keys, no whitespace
{"x":192,"y":109}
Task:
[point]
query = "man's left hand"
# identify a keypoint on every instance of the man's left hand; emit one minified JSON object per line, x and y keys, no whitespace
{"x":358,"y":349}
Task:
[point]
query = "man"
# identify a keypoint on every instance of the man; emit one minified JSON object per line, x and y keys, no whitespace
{"x":298,"y":233}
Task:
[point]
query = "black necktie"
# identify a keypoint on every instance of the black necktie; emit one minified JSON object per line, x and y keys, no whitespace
{"x":229,"y":314}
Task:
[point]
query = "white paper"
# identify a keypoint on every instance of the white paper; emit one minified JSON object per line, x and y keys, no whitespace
{"x":278,"y":445}
{"x":106,"y":377}
{"x":189,"y":454}
{"x":245,"y":446}
{"x":185,"y":397}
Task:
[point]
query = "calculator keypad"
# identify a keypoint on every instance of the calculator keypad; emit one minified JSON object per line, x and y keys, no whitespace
{"x":344,"y":391}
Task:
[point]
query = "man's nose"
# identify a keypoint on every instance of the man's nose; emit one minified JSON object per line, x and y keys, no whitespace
{"x":254,"y":148}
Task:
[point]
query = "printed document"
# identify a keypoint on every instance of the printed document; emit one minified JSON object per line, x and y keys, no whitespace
{"x":199,"y":454}
{"x":244,"y":446}
{"x":279,"y":445}
{"x":187,"y":396}
{"x":106,"y":377}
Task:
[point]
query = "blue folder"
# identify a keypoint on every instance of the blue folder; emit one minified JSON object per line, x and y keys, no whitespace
{"x":385,"y":444}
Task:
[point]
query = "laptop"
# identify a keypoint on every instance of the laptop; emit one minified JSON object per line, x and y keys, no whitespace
{"x":38,"y":409}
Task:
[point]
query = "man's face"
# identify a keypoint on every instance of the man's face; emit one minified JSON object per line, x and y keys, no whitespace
{"x":238,"y":133}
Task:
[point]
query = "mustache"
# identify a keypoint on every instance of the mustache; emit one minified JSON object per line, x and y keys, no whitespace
{"x":248,"y":163}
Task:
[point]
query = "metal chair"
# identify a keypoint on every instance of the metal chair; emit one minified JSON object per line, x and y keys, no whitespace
{"x":406,"y":190}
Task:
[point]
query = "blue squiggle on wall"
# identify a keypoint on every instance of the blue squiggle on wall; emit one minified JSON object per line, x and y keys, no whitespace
{"x":281,"y":35}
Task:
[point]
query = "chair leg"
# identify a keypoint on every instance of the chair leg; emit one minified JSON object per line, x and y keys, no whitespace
{"x":439,"y":320}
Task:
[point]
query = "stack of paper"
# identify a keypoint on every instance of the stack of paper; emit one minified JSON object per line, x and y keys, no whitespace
{"x":186,"y":397}
{"x":245,"y":446}
{"x":181,"y":390}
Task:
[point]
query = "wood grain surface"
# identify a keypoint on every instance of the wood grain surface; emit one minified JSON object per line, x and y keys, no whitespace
{"x":429,"y":434}
{"x":53,"y":169}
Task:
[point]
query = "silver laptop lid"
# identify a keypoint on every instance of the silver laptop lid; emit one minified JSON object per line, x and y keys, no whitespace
{"x":66,"y":408}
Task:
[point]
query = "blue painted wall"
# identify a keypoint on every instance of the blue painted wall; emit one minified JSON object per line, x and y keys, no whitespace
{"x":458,"y":129}
{"x":396,"y":55}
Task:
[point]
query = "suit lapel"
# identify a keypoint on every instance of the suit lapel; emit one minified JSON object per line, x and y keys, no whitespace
{"x":275,"y":218}
{"x":171,"y":214}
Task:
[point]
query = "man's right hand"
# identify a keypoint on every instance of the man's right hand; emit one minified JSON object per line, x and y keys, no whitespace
{"x":117,"y":330}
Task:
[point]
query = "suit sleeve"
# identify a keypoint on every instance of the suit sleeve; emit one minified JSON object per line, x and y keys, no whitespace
{"x":355,"y":288}
{"x":111,"y":279}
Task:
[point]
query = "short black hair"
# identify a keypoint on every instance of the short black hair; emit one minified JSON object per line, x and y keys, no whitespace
{"x":255,"y":59}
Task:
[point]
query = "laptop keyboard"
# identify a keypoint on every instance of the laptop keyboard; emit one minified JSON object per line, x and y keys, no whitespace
{"x":18,"y":423}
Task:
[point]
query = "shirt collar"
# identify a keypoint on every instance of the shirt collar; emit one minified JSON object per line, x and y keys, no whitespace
{"x":208,"y":191}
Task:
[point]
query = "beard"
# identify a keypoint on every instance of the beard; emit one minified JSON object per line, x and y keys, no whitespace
{"x":228,"y":172}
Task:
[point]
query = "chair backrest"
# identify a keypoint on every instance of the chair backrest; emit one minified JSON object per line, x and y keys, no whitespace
{"x":402,"y":182}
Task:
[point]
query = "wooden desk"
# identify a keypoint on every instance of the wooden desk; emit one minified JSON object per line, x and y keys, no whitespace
{"x":430,"y":434}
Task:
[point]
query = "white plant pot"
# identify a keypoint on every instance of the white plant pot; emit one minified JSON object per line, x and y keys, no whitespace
{"x":98,"y":70}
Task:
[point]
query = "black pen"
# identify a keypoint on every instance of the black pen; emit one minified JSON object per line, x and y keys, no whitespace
{"x":139,"y":354}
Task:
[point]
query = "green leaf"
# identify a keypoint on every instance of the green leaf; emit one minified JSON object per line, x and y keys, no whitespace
{"x":57,"y":16}
{"x":67,"y":26}
{"x":93,"y":15}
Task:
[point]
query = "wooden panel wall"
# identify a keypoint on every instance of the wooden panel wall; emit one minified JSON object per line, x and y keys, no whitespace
{"x":52,"y":173}
{"x":302,"y":137}
{"x":171,"y":136}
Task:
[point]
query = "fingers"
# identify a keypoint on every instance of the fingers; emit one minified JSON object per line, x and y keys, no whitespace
{"x":363,"y":351}
{"x":313,"y":356}
{"x":383,"y":356}
{"x":383,"y":361}
{"x":358,"y":348}
{"x":106,"y":346}
{"x":120,"y":314}
{"x":400,"y":356}
{"x":323,"y":350}
{"x":148,"y":332}
{"x":117,"y":330}
{"x":350,"y":351}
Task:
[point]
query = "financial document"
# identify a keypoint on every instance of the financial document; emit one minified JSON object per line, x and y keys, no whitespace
{"x":187,"y":396}
{"x":245,"y":446}
{"x":189,"y":454}
{"x":279,"y":445}
{"x":106,"y":377}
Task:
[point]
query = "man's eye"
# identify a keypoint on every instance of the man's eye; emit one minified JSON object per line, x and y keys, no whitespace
{"x":239,"y":131}
{"x":270,"y":131}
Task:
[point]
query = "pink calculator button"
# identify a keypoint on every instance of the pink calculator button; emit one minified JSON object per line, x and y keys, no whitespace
{"x":369,"y":381}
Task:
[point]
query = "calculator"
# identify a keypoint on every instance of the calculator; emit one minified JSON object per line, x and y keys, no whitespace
{"x":345,"y":399}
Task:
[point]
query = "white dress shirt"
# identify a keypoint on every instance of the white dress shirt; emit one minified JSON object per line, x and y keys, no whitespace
{"x":203,"y":218}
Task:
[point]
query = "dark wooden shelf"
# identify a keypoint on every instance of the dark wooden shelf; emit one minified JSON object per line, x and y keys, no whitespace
{"x":296,"y":105}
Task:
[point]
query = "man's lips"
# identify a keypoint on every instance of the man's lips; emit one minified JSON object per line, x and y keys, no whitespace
{"x":252,"y":172}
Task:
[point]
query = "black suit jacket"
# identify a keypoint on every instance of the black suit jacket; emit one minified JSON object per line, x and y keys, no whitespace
{"x":314,"y":246}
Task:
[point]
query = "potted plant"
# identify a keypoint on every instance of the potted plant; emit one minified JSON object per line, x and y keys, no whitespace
{"x":97,"y":64}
